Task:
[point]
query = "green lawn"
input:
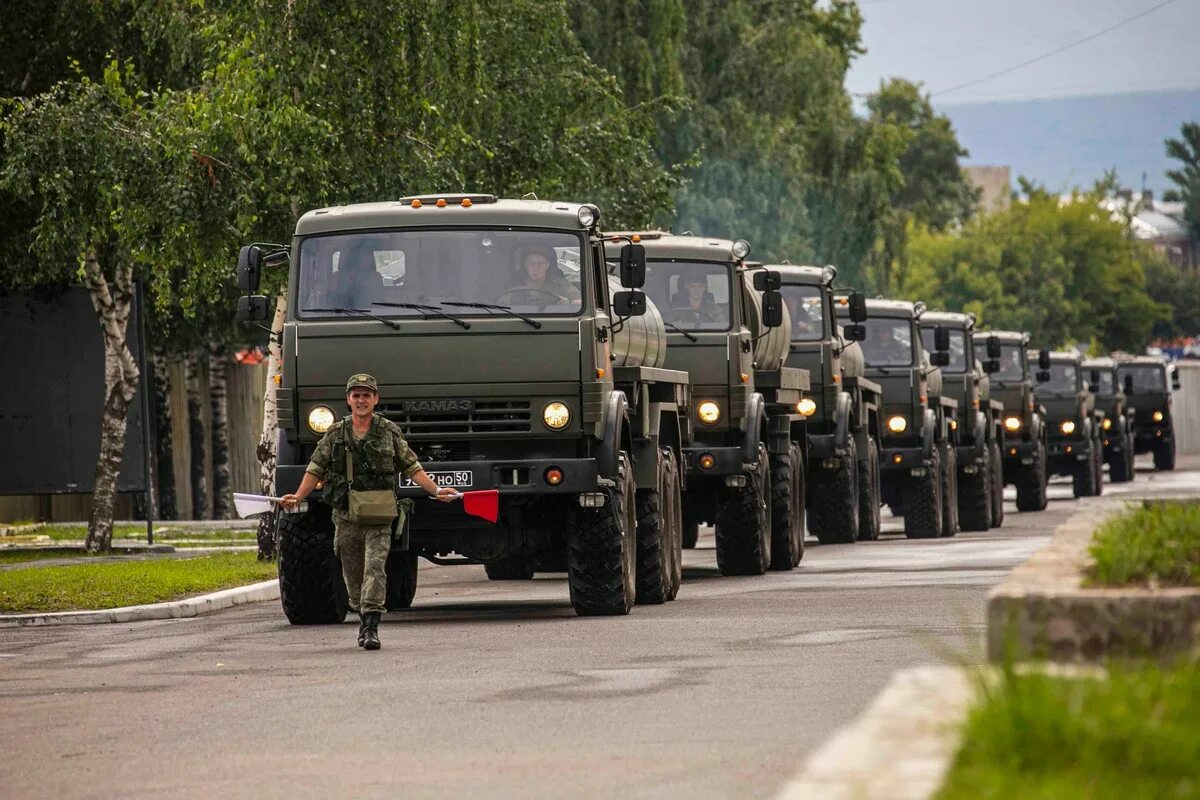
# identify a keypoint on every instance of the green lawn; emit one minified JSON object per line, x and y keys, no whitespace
{"x":21,"y":556}
{"x":1133,"y":735}
{"x":1158,"y":544}
{"x":77,"y":533}
{"x":126,"y":583}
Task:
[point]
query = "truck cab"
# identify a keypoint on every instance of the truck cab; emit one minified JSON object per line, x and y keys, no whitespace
{"x":1073,"y":423}
{"x":1149,"y":381}
{"x":1117,"y":428}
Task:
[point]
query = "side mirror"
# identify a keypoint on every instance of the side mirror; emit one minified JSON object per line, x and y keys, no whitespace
{"x":1042,"y":375}
{"x":249,"y":268}
{"x":858,"y":307}
{"x":1175,"y":385}
{"x":1128,"y":384}
{"x":855,"y":333}
{"x":772,"y":308}
{"x":993,"y":347}
{"x":629,"y":304}
{"x":767,"y":281}
{"x":939,"y":359}
{"x":252,"y":308}
{"x":1044,"y":360}
{"x":992,"y":365}
{"x":633,"y":267}
{"x":941,"y":339}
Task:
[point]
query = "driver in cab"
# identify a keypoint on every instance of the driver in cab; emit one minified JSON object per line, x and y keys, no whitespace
{"x":696,"y":299}
{"x":543,"y":283}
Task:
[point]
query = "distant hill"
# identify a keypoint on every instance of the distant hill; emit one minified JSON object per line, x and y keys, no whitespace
{"x":1070,"y":141}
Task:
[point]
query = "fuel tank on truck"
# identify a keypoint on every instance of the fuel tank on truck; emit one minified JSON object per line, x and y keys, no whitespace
{"x":641,"y":341}
{"x":853,"y":363}
{"x":769,"y":350}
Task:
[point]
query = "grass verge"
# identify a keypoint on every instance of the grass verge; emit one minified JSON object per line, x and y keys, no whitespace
{"x":126,"y":583}
{"x":22,"y":556}
{"x":1133,"y":734}
{"x":1156,"y":545}
{"x":164,"y":532}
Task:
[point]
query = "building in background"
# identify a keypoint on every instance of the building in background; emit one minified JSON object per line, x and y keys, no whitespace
{"x":994,"y":185}
{"x":1160,"y":224}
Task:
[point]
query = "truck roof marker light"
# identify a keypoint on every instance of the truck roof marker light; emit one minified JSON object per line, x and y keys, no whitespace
{"x":416,"y":203}
{"x":635,"y":238}
{"x":441,"y":203}
{"x":466,"y":202}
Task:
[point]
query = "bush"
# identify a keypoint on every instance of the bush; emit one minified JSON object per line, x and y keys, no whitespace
{"x":1156,"y":545}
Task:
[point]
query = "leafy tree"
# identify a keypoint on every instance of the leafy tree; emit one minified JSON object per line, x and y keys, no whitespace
{"x":1186,"y":150}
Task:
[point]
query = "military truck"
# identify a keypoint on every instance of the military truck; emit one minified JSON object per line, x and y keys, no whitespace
{"x":510,"y":363}
{"x":1073,"y":423}
{"x":1118,"y":425}
{"x":979,"y":425}
{"x":1148,"y":381}
{"x":918,"y":459}
{"x":1024,"y":419}
{"x":727,"y":329}
{"x":841,"y":411}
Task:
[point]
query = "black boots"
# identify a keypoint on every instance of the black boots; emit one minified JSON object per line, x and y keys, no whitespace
{"x":362,"y":630}
{"x":370,"y":631}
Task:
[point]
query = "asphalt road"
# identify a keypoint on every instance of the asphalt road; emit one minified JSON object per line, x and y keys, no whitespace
{"x":498,"y":690}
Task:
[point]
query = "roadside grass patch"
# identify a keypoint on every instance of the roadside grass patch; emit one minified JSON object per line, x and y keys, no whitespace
{"x":164,"y":532}
{"x":126,"y":583}
{"x":1158,"y":545}
{"x":22,"y":556}
{"x":1133,"y":734}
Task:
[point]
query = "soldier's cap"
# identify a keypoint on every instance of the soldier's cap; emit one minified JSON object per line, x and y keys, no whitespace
{"x":362,"y":380}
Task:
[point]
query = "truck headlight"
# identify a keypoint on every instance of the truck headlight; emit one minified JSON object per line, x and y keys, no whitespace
{"x":556,"y":415}
{"x":320,"y":419}
{"x":1107,"y":423}
{"x":1012,"y":424}
{"x":708,"y":412}
{"x":1157,"y":416}
{"x":1067,"y":427}
{"x":806,"y":407}
{"x":897,"y":424}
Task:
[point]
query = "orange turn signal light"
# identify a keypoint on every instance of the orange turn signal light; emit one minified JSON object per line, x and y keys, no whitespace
{"x":441,"y":203}
{"x":466,"y":202}
{"x":706,"y":461}
{"x":416,"y":203}
{"x":554,"y":476}
{"x":896,"y":459}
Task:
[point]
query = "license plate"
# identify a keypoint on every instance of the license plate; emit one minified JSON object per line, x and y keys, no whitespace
{"x":455,"y":479}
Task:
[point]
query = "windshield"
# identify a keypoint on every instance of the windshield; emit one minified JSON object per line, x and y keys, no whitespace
{"x":1103,"y":379}
{"x":1063,"y":378}
{"x":692,"y":296}
{"x":958,"y":345}
{"x":1146,"y":379}
{"x":534,"y":272}
{"x":889,"y":342}
{"x":807,"y":310}
{"x":1011,"y":366}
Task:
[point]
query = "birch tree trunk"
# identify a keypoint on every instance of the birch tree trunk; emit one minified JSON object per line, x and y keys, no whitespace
{"x":218,"y":403}
{"x":164,"y":449}
{"x":112,"y":302}
{"x":195,"y":403}
{"x":270,"y":426}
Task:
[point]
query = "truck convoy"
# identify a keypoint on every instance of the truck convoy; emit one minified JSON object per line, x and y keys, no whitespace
{"x":1073,"y":423}
{"x":1118,"y":425}
{"x":1148,"y":381}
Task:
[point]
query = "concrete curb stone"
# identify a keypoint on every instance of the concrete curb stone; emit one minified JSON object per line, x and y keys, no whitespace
{"x":176,"y":609}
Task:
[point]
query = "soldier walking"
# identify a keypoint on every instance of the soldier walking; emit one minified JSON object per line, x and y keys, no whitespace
{"x":359,"y":458}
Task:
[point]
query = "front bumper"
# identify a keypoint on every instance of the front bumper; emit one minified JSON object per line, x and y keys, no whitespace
{"x":1019,"y":453}
{"x":903,"y":460}
{"x":726,"y":460}
{"x":1065,"y":448}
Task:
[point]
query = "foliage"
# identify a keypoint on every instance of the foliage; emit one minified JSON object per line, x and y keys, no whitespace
{"x":1158,"y":544}
{"x":1186,"y":150}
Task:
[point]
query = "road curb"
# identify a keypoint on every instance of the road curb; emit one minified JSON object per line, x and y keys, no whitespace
{"x":900,"y":748}
{"x":175,"y":609}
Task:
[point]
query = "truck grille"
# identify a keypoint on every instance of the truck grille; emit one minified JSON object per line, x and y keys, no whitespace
{"x":489,"y":416}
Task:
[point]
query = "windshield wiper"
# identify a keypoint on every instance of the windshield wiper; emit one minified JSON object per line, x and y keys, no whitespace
{"x":431,"y":309}
{"x":690,"y":336}
{"x":360,"y":311}
{"x":494,"y":307}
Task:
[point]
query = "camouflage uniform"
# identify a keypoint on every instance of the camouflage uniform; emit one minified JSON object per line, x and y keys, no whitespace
{"x":378,"y":457}
{"x":539,"y":294}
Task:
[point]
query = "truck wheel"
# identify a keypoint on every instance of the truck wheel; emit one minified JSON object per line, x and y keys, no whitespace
{"x":869,"y":519}
{"x":1083,"y":477}
{"x":1164,"y":456}
{"x":923,"y":502}
{"x":997,"y":485}
{"x":601,"y":551}
{"x":1031,"y":482}
{"x":787,"y":509}
{"x":1131,"y":443}
{"x":833,"y":504}
{"x":949,"y":491}
{"x":510,"y":568}
{"x":310,"y":575}
{"x":691,"y":533}
{"x":743,"y":525}
{"x":658,"y":537}
{"x":401,"y":579}
{"x":975,"y":497}
{"x":675,"y":508}
{"x":1119,"y":469}
{"x":1098,"y":462}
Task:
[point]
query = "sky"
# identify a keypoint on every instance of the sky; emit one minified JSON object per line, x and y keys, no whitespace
{"x":945,"y":43}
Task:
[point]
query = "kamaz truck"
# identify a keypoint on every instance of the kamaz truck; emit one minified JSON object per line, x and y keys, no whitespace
{"x":511,"y":364}
{"x":1073,"y":423}
{"x":842,"y":410}
{"x":1149,"y":381}
{"x":917,"y":465}
{"x":979,"y":425}
{"x":1024,"y":419}
{"x":727,"y":329}
{"x":1118,"y":425}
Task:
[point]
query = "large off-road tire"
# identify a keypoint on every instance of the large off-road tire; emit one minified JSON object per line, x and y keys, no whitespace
{"x":975,"y":497}
{"x":602,"y":551}
{"x":401,"y":579}
{"x":659,"y":537}
{"x":997,"y":464}
{"x":787,"y":509}
{"x":869,"y":504}
{"x":1031,"y":482}
{"x":1164,"y":456}
{"x":923,"y":501}
{"x":510,"y":568}
{"x":311,"y":587}
{"x":833,"y":501}
{"x":1131,"y":444}
{"x":675,"y":493}
{"x":1098,"y":463}
{"x":949,"y":490}
{"x":1083,"y":476}
{"x":1120,"y":468}
{"x":743,"y":526}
